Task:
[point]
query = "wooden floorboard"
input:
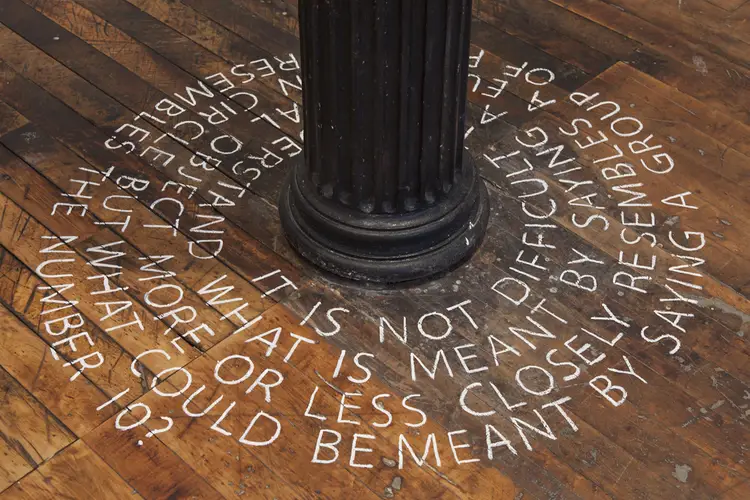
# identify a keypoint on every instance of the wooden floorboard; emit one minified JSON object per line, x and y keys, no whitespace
{"x":157,"y":328}
{"x":64,"y":476}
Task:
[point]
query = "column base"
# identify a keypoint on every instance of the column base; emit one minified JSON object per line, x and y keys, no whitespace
{"x":385,"y":248}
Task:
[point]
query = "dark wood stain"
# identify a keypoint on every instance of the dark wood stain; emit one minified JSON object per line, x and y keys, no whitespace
{"x":73,"y":71}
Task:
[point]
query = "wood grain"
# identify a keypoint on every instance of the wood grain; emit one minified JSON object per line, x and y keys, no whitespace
{"x":65,"y":476}
{"x":72,"y":72}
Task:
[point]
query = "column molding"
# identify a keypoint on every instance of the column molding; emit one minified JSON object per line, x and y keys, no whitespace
{"x":386,"y":192}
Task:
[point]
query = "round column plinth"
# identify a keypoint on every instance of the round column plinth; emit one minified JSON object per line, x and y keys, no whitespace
{"x":385,"y":248}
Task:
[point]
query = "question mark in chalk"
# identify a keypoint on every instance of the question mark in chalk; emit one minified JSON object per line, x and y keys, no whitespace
{"x":169,"y":425}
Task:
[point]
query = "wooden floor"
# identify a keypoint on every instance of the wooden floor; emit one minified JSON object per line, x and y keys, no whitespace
{"x":161,"y":340}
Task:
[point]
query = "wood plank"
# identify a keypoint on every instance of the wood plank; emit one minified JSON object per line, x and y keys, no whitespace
{"x":168,"y":290}
{"x":70,"y":475}
{"x":689,"y":68}
{"x":611,"y":423}
{"x":239,"y":16}
{"x":31,"y":428}
{"x":141,"y":97}
{"x":360,"y":306}
{"x":715,"y":171}
{"x":46,"y":156}
{"x":169,"y":52}
{"x":157,"y":474}
{"x":729,"y":5}
{"x":267,"y":8}
{"x":202,"y":63}
{"x":698,"y":23}
{"x":283,"y":18}
{"x":516,"y":18}
{"x":30,"y":299}
{"x":719,"y":195}
{"x":22,"y":235}
{"x":740,"y":16}
{"x":28,"y":430}
{"x":13,"y":466}
{"x":64,"y":390}
{"x":302,"y":374}
{"x":726,"y":284}
{"x":516,"y":52}
{"x":701,"y":387}
{"x":36,"y":145}
{"x":567,"y":77}
{"x":200,"y":273}
{"x":216,"y":38}
{"x":561,"y":462}
{"x":738,"y":305}
{"x":666,"y":100}
{"x":10,"y":120}
{"x":707,"y":219}
{"x":64,"y":84}
{"x":711,"y":394}
{"x":230,"y":467}
{"x":584,"y":415}
{"x":299,"y":444}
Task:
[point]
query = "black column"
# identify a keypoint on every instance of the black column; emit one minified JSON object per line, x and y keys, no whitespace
{"x":386,"y":192}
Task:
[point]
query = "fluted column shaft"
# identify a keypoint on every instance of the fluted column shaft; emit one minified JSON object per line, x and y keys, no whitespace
{"x":384,"y":91}
{"x":387,"y":192}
